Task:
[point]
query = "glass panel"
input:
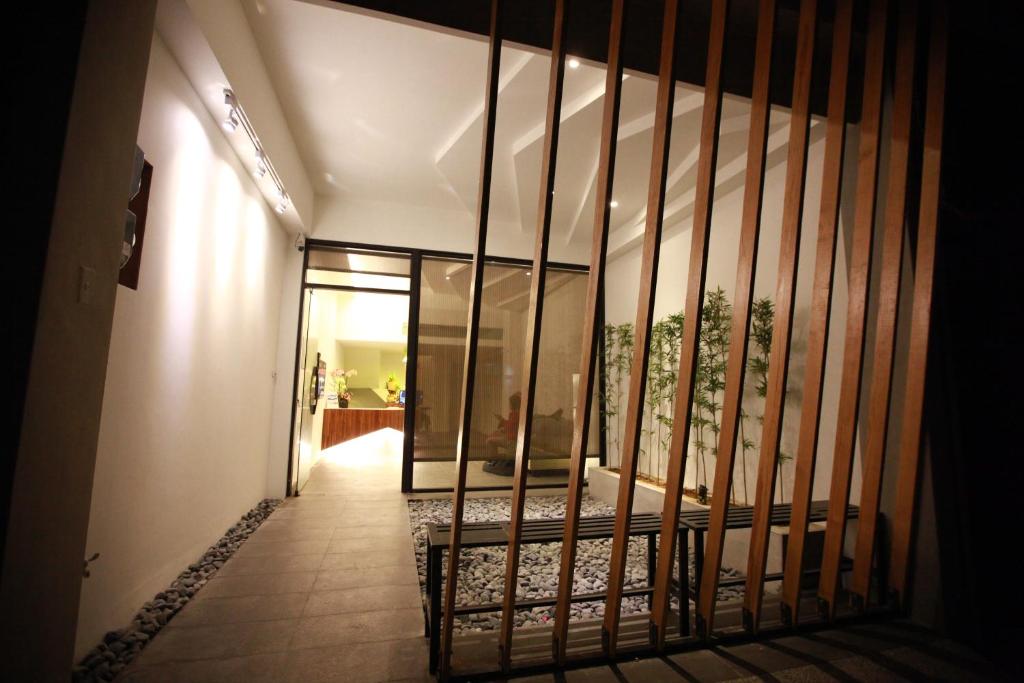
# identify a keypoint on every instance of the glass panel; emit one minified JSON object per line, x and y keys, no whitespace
{"x":358,"y":261}
{"x":364,"y":280}
{"x":444,"y":305}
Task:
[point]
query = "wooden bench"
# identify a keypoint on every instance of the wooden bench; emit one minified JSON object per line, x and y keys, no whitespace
{"x":488,"y":534}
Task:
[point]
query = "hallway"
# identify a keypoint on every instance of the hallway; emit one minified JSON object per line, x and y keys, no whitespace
{"x":324,"y":590}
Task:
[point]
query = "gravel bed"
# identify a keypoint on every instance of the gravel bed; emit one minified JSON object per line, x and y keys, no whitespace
{"x":482,"y":570}
{"x":119,"y":648}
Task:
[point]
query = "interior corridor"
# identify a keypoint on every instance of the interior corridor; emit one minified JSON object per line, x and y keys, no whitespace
{"x":324,"y":590}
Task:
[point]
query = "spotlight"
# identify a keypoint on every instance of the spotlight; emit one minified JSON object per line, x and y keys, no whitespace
{"x":574,"y":63}
{"x":231,"y":122}
{"x":282,"y":203}
{"x":614,"y":204}
{"x":261,"y":164}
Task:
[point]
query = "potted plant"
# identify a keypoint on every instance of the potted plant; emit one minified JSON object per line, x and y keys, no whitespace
{"x":340,"y":378}
{"x":392,"y":386}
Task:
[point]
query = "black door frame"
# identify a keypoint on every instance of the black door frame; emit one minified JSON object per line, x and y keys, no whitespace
{"x":416,"y":257}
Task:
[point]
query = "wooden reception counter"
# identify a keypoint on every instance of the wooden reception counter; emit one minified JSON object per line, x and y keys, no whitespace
{"x":342,"y":424}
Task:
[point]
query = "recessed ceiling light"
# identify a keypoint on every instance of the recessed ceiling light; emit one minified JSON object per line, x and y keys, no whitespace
{"x":614,"y":204}
{"x":574,"y":63}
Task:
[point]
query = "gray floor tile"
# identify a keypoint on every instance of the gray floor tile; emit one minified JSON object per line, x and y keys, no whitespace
{"x":271,"y":564}
{"x":366,"y":560}
{"x":396,"y":660}
{"x":358,"y":627}
{"x":178,"y":643}
{"x":355,"y":578}
{"x":265,"y":668}
{"x":259,"y":549}
{"x":259,"y":584}
{"x":362,"y":599}
{"x":207,"y":611}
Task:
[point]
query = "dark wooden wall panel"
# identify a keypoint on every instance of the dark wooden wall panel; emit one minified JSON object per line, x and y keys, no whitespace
{"x":342,"y":424}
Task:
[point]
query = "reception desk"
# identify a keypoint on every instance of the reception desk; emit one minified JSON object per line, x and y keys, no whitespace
{"x":342,"y":424}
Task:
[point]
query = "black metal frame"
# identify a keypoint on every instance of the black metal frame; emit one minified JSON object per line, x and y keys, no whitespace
{"x":416,"y":257}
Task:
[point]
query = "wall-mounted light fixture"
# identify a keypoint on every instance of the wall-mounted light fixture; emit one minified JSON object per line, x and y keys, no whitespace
{"x":235,"y":117}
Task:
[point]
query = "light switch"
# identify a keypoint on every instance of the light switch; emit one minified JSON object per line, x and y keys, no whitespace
{"x":86,"y":282}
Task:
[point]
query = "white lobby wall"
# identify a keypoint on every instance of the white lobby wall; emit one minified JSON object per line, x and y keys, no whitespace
{"x":623,"y":278}
{"x":183,"y":444}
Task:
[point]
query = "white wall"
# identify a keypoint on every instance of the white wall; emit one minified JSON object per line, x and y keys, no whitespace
{"x":623,"y":278}
{"x":184,"y":434}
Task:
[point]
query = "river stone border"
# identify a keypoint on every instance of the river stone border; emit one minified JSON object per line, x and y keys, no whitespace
{"x":119,"y":648}
{"x":482,"y":570}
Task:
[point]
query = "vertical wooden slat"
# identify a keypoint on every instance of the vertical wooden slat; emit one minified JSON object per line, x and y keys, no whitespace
{"x":592,"y":317}
{"x":644,"y":317}
{"x":472,"y":336}
{"x":856,"y":313}
{"x":924,"y":268}
{"x":785,"y":295}
{"x":746,"y":270}
{"x":888,"y":304}
{"x":533,"y":331}
{"x":821,"y":306}
{"x":697,"y":270}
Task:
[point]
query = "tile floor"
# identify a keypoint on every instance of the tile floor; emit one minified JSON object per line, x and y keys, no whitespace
{"x":325,"y":590}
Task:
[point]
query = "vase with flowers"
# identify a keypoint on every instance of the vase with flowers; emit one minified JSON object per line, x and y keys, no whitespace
{"x":340,"y":378}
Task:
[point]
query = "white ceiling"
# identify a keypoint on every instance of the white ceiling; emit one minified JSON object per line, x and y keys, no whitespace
{"x":388,"y":111}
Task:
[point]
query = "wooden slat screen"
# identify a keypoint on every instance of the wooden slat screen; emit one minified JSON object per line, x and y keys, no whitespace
{"x":472,"y":335}
{"x":849,"y":422}
{"x":924,"y":262}
{"x":699,"y":241}
{"x":591,"y":327}
{"x":746,"y":269}
{"x":533,"y":330}
{"x":821,"y":308}
{"x":644,"y":318}
{"x":888,"y":302}
{"x":785,"y":297}
{"x":857,"y":306}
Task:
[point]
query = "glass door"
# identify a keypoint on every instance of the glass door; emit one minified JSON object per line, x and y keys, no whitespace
{"x":301,"y":424}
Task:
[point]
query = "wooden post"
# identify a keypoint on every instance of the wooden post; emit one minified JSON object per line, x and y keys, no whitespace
{"x":782,"y":325}
{"x":472,"y":337}
{"x":746,"y":269}
{"x":533,"y":332}
{"x":644,"y":317}
{"x":888,"y":305}
{"x":924,"y":268}
{"x":856,"y":313}
{"x":821,"y":307}
{"x":591,"y":327}
{"x":694,"y":306}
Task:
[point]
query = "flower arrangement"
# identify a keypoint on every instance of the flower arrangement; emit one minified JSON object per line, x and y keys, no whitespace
{"x":392,"y":386}
{"x":340,"y":379}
